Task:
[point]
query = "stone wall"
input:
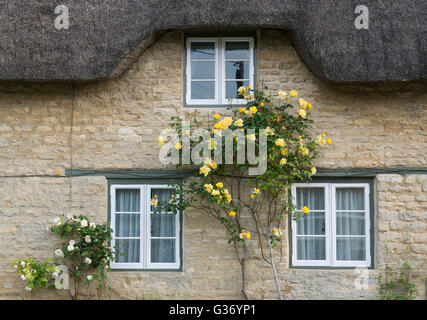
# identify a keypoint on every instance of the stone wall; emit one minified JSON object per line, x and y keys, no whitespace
{"x":114,"y":124}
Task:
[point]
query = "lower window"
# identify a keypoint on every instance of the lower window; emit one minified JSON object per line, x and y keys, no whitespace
{"x":336,"y":231}
{"x":145,"y":240}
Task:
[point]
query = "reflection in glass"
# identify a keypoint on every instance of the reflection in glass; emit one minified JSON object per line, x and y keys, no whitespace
{"x":202,"y":90}
{"x":237,"y":50}
{"x":203,"y":51}
{"x":237,"y":70}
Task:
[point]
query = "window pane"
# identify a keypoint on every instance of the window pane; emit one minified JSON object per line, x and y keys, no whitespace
{"x":350,"y":199}
{"x":312,"y":223}
{"x":129,"y":249}
{"x":127,"y":200}
{"x":127,"y":225}
{"x":203,"y":90}
{"x":351,"y":249}
{"x":237,"y":70}
{"x":312,"y":198}
{"x":237,"y":50}
{"x":231,"y":88}
{"x":163,"y":251}
{"x":310,"y":248}
{"x":203,"y":70}
{"x":203,"y":50}
{"x":163,"y":225}
{"x":350,"y":223}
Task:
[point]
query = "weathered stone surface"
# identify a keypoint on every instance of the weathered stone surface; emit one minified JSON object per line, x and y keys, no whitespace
{"x":104,"y":38}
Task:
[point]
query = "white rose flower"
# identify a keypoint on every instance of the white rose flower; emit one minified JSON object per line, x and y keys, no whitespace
{"x":92,"y":224}
{"x":28,"y":288}
{"x":22,"y":277}
{"x":88,"y":261}
{"x":72,"y":242}
{"x":15,"y":266}
{"x":23,"y":263}
{"x":89,"y":277}
{"x":59,"y":253}
{"x":69,"y":216}
{"x":56,"y":220}
{"x":70,"y":248}
{"x":88,"y":239}
{"x":83,"y":223}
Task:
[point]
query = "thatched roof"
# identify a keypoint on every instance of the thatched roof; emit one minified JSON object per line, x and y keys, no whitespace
{"x":104,"y":37}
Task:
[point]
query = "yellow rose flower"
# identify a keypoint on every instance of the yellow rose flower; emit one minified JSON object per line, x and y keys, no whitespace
{"x":178,"y":146}
{"x":251,"y":137}
{"x":323,"y":134}
{"x":215,"y":192}
{"x":309,"y":106}
{"x":239,"y":123}
{"x":242,"y":90}
{"x":161,"y":140}
{"x":217,"y":117}
{"x":208,"y":187}
{"x":214,"y":165}
{"x":217,"y":126}
{"x":220,"y":185}
{"x":252,"y":196}
{"x":248,"y":235}
{"x":262,"y":104}
{"x":313,"y":170}
{"x":204,"y":170}
{"x":284,"y":152}
{"x":282,"y":94}
{"x":302,"y":113}
{"x":232,"y":213}
{"x":329,"y":141}
{"x":253,"y":109}
{"x":303,"y":150}
{"x":242,"y":110}
{"x":303,"y":103}
{"x":293,"y":93}
{"x":256,"y":190}
{"x":270,"y":131}
{"x":283,"y":161}
{"x":280,"y":142}
{"x":305,"y":210}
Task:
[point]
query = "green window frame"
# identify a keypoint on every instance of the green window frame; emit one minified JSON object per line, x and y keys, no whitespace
{"x":220,"y":36}
{"x":149,"y":183}
{"x":340,"y":181}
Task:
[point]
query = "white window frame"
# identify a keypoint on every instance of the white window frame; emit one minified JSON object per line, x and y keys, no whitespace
{"x":330,"y":227}
{"x":220,"y":98}
{"x":145,"y":230}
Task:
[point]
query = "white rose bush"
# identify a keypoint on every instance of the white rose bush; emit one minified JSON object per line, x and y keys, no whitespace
{"x":85,"y":250}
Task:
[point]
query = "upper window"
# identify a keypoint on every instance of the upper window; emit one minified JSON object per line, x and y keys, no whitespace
{"x":336,"y":231}
{"x":217,"y":68}
{"x":146,"y":240}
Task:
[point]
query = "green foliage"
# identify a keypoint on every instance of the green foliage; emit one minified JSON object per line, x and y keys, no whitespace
{"x":85,"y":250}
{"x":37,"y":275}
{"x":396,"y":285}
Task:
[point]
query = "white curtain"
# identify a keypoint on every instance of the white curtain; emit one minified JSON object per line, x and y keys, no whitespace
{"x":162,"y":229}
{"x":309,"y":247}
{"x":127,"y":225}
{"x":349,"y":222}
